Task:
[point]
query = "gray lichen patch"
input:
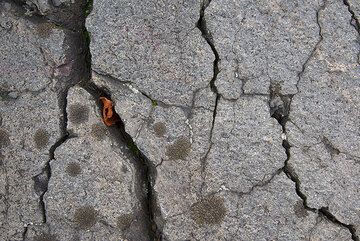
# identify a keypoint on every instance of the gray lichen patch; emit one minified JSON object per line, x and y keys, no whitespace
{"x":4,"y":138}
{"x":78,"y":113}
{"x":85,"y":217}
{"x":124,"y":221}
{"x":180,"y":149}
{"x":73,"y":169}
{"x":210,"y":210}
{"x":41,"y":138}
{"x":44,"y":29}
{"x":45,"y":237}
{"x":98,"y":131}
{"x":159,"y":129}
{"x":299,"y":210}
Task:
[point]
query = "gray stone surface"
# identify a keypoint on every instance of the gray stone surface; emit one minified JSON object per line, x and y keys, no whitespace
{"x":261,"y":43}
{"x":157,"y":47}
{"x":325,"y":119}
{"x":239,"y":120}
{"x":100,"y":191}
{"x":30,"y":114}
{"x":272,"y":212}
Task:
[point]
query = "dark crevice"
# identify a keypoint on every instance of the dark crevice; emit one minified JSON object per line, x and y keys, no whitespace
{"x":75,"y":57}
{"x":145,"y":167}
{"x":354,"y":20}
{"x":290,"y":173}
{"x":24,"y":233}
{"x":280,"y":106}
{"x":201,"y":25}
{"x":206,"y":34}
{"x":41,"y":181}
{"x":325,"y":211}
{"x":282,"y":118}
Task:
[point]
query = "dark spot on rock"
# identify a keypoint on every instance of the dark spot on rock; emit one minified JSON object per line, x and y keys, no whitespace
{"x":210,"y":210}
{"x":85,"y":217}
{"x":179,"y":149}
{"x":124,"y":221}
{"x":78,"y":113}
{"x":124,"y":169}
{"x":299,"y":210}
{"x":159,"y":129}
{"x":4,"y":138}
{"x":44,"y":29}
{"x":45,"y":237}
{"x":73,"y":169}
{"x":41,"y":138}
{"x":98,"y":131}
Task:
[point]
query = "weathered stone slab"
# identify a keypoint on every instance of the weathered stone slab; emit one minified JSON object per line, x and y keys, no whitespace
{"x":153,"y":44}
{"x":324,"y":127}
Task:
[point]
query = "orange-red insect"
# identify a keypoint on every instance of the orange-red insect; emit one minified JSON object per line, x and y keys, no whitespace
{"x":108,"y":114}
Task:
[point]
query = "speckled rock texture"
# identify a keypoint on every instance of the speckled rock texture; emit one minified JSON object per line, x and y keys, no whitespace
{"x":230,"y":120}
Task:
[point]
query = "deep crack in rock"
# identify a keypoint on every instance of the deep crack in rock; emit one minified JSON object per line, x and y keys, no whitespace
{"x":144,"y":165}
{"x":356,"y":23}
{"x":281,"y":112}
{"x":147,"y":169}
{"x":201,"y":25}
{"x":41,"y":180}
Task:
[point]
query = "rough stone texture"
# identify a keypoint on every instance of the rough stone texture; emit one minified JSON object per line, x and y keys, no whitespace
{"x":30,"y":114}
{"x":246,"y":148}
{"x":239,"y":120}
{"x":324,"y":127}
{"x":177,"y":154}
{"x":98,"y":181}
{"x":267,"y":213}
{"x":261,"y":43}
{"x":157,"y":47}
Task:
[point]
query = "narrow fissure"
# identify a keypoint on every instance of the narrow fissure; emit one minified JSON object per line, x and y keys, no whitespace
{"x":146,"y":168}
{"x":41,"y":181}
{"x":201,"y":25}
{"x":282,"y":116}
{"x":24,"y":233}
{"x":325,"y":211}
{"x":356,"y":23}
{"x":280,"y":106}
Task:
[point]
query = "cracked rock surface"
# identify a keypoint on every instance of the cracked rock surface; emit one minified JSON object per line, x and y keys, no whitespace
{"x":233,"y":120}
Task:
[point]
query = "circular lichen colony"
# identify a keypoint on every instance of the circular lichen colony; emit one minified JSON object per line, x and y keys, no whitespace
{"x":180,"y":149}
{"x":85,"y":217}
{"x":210,"y":210}
{"x":45,"y":237}
{"x":73,"y":169}
{"x":4,"y":138}
{"x":44,"y":29}
{"x":78,"y":113}
{"x":159,"y":129}
{"x":41,"y":138}
{"x":98,"y":131}
{"x":124,"y":221}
